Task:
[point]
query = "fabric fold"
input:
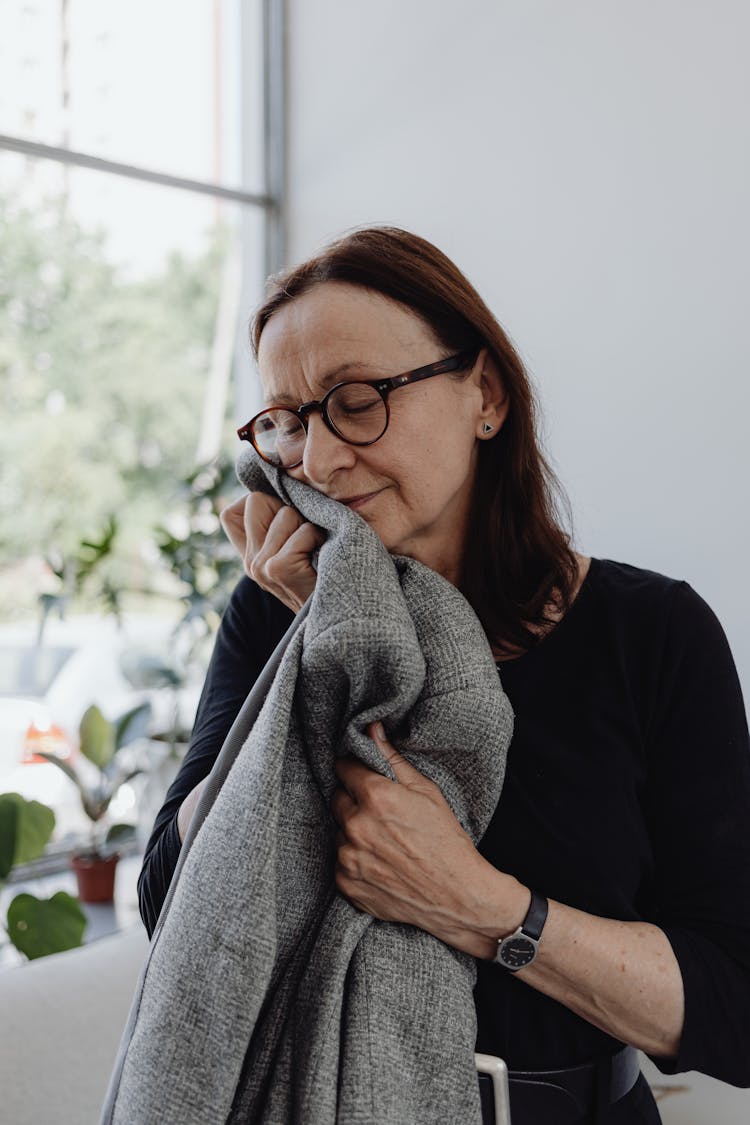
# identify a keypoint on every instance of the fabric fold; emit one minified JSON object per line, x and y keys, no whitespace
{"x":267,"y":997}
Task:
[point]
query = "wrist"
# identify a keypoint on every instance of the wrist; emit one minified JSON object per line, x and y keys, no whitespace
{"x":499,"y":905}
{"x":518,"y":949}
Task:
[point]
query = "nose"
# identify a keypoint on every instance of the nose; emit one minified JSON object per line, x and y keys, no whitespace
{"x":324,"y":453}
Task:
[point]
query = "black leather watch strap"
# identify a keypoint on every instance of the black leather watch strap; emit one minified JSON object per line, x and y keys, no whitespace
{"x":536,"y":916}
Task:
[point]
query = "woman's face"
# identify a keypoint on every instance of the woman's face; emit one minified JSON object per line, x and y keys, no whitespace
{"x":419,"y":475}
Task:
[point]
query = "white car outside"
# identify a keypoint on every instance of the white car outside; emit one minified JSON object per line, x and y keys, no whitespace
{"x":44,"y":691}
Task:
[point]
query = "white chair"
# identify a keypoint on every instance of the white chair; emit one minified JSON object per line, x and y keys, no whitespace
{"x":61,"y":1019}
{"x":498,"y":1072}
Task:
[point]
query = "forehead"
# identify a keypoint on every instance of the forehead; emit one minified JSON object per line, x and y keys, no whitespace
{"x":337,"y":331}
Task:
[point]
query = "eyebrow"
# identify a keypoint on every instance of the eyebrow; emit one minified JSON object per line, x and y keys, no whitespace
{"x":325,"y":381}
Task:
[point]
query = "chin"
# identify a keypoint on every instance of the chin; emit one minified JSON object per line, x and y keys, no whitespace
{"x":390,"y":542}
{"x":394,"y":546}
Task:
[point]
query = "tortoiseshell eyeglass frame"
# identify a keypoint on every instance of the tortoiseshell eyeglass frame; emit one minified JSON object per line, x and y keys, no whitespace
{"x":382,"y":386}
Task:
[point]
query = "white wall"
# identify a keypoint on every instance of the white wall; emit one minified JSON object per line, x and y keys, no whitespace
{"x":587,"y":164}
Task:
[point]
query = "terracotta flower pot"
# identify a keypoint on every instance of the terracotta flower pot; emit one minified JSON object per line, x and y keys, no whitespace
{"x":96,"y":877}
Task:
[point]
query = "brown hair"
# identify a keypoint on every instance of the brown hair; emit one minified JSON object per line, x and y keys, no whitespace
{"x":518,"y":559}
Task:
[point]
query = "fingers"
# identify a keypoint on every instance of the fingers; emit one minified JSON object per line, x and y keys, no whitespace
{"x":276,"y":545}
{"x":342,"y":806}
{"x":405,"y":772}
{"x":261,"y":511}
{"x":247,"y":520}
{"x":287,"y":536}
{"x":283,"y":565}
{"x":232,"y":519}
{"x":356,"y":778}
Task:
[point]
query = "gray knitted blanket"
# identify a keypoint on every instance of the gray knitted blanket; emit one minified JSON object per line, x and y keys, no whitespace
{"x":266,"y":996}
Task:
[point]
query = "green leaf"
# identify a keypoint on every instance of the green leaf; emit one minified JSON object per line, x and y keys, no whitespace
{"x":132,"y":724}
{"x":32,"y":824}
{"x":36,"y":825}
{"x":96,"y":801}
{"x":97,"y":736}
{"x":121,"y":777}
{"x":8,"y":832}
{"x":118,"y":834}
{"x":38,"y":927}
{"x":61,"y":764}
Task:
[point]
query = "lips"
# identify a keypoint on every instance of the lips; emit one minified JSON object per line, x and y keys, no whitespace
{"x":352,"y":501}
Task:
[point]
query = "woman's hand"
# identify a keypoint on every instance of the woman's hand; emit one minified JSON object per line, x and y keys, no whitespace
{"x":276,"y":545}
{"x":403,"y":856}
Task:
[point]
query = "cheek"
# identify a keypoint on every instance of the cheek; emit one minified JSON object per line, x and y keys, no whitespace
{"x":419,"y":437}
{"x":429,"y":453}
{"x":421,"y":489}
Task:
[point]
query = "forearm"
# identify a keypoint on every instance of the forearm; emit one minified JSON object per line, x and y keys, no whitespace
{"x":403,"y":856}
{"x":623,"y":977}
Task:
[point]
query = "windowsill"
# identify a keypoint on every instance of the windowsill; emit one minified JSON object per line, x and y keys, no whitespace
{"x":103,"y":918}
{"x":57,"y":859}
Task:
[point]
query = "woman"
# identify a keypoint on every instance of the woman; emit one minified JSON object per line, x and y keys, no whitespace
{"x":619,"y":843}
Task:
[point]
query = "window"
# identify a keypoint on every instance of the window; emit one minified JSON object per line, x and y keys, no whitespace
{"x":140,"y":211}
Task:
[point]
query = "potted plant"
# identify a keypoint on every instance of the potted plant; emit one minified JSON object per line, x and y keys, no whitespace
{"x":105,"y":746}
{"x":35,"y":926}
{"x":196,"y":552}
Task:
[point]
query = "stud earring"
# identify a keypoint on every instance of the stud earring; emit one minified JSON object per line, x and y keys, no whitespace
{"x":486,"y":428}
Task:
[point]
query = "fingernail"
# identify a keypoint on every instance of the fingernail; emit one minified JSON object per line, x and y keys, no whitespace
{"x":379,"y":732}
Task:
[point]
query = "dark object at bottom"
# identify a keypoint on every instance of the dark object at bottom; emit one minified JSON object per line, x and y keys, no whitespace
{"x":573,"y":1096}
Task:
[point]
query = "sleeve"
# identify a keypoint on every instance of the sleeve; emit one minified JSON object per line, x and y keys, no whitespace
{"x":699,"y":818}
{"x":253,"y":623}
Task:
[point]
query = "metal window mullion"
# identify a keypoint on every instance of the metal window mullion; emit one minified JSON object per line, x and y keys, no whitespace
{"x":130,"y":171}
{"x":274,"y":131}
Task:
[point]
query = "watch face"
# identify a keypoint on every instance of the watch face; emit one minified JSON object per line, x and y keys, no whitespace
{"x":517,"y":951}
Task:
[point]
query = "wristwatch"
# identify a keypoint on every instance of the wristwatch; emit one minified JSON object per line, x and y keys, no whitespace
{"x":519,"y":948}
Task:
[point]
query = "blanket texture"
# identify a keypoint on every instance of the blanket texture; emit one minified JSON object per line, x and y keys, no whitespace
{"x":267,"y":997}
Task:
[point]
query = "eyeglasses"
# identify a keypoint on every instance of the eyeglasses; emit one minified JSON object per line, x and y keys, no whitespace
{"x":356,"y":412}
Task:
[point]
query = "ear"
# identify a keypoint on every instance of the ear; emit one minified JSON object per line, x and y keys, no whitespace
{"x":495,"y":397}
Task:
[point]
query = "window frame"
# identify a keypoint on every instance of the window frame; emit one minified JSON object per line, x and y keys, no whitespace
{"x":272,"y":200}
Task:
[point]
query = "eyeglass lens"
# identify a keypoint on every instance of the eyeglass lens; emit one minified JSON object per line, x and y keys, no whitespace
{"x":356,"y":411}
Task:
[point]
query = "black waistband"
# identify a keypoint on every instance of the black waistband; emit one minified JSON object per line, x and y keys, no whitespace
{"x":569,"y":1095}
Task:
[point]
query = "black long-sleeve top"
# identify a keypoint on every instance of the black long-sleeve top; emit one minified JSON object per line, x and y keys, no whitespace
{"x":627,"y":795}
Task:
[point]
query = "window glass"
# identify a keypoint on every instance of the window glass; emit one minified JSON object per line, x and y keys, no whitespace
{"x":29,"y":670}
{"x":156,"y":85}
{"x":124,"y":366}
{"x":121,"y":304}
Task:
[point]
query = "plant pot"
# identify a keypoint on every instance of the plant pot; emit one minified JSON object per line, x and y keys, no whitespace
{"x":96,"y":877}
